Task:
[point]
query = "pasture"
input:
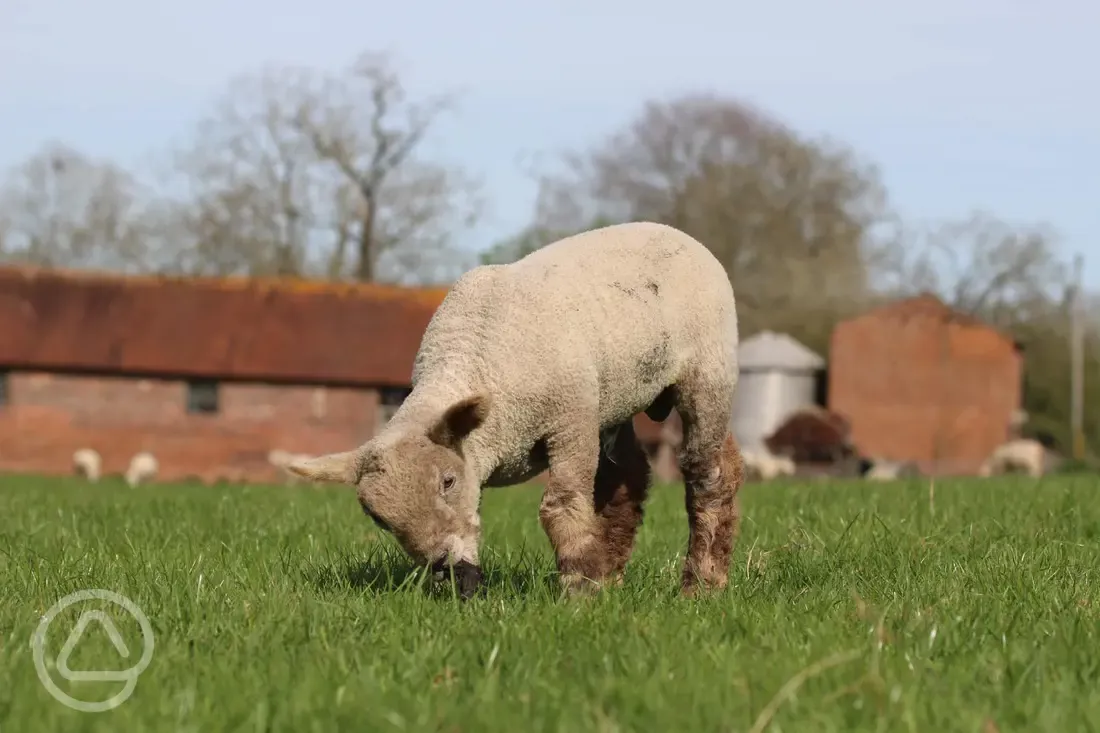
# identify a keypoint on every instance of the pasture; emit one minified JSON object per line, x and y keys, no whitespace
{"x":851,"y":606}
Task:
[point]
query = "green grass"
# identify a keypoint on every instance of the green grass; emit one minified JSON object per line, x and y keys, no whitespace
{"x":281,"y":609}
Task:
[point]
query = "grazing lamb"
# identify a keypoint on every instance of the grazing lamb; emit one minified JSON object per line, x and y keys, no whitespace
{"x":882,"y":470}
{"x":88,"y":464}
{"x":1020,"y":454}
{"x":143,"y":467}
{"x":765,"y":465}
{"x":542,"y":364}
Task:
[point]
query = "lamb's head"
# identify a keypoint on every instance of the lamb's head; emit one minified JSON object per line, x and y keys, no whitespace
{"x":420,"y":489}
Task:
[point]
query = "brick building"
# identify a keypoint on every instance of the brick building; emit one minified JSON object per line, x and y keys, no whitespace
{"x":921,"y":382}
{"x":208,"y":374}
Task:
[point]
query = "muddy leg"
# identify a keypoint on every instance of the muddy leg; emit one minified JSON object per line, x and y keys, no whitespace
{"x":710,"y":462}
{"x":567,"y":514}
{"x":622,"y":481}
{"x":714,"y":516}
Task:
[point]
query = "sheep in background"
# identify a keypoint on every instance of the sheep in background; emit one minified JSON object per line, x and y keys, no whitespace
{"x":87,"y":464}
{"x":880,"y":469}
{"x":883,"y":471}
{"x":1021,"y":454}
{"x":280,"y":459}
{"x":143,"y":467}
{"x":765,"y":466}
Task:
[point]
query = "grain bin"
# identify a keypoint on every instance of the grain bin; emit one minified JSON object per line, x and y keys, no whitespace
{"x":778,"y":376}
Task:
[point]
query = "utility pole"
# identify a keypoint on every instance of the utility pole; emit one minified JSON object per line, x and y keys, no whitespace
{"x":1077,"y":359}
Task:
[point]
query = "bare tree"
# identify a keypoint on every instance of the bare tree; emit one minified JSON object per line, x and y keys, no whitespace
{"x":405,"y":210}
{"x":61,"y":208}
{"x":302,"y":172}
{"x":795,"y":222}
{"x":988,"y":267}
{"x":253,"y":192}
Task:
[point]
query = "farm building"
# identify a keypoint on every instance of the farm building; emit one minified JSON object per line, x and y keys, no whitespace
{"x":921,"y":382}
{"x":778,"y":377}
{"x":208,"y":374}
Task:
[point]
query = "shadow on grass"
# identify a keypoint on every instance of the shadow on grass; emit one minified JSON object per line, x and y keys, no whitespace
{"x":389,"y":575}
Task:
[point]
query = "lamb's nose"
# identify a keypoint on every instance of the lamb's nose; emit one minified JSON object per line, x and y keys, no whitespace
{"x":468,"y":577}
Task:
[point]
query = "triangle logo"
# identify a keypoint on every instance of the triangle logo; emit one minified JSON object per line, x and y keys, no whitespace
{"x":74,"y":638}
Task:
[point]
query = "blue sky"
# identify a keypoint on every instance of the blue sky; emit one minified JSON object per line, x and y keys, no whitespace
{"x":973,"y":103}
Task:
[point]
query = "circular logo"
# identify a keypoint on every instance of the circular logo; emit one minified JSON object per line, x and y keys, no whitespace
{"x":128,"y":676}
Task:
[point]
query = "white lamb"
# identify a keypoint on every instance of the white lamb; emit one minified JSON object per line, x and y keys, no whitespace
{"x":541,"y":365}
{"x":88,"y":464}
{"x":882,"y":470}
{"x":1021,"y":454}
{"x":143,"y":467}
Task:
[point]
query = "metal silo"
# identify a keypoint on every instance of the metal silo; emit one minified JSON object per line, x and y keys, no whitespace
{"x":778,"y":377}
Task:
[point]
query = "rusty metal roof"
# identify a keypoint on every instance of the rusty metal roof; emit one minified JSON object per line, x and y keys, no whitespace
{"x":218,"y":328}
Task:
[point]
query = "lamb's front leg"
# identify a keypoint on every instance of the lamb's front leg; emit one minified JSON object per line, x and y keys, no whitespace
{"x":567,"y":513}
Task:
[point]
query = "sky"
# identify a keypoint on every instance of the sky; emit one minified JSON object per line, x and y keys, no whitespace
{"x":987,"y":104}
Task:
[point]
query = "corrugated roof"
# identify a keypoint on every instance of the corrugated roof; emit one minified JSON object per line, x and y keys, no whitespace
{"x":770,"y":350}
{"x":224,"y":328}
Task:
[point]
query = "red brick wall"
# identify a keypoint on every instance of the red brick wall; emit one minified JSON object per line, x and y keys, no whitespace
{"x":49,"y":416}
{"x":941,"y":394}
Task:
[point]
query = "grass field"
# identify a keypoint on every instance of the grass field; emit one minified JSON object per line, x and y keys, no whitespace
{"x":851,"y":607}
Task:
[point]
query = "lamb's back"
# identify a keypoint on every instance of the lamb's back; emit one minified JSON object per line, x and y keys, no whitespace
{"x":616,"y":308}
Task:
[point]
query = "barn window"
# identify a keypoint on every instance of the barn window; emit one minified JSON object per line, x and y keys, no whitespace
{"x":3,"y":388}
{"x":202,"y":396}
{"x":389,"y":399}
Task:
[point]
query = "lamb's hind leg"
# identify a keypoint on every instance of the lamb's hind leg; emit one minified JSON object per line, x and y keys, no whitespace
{"x":713,"y":473}
{"x":622,"y":481}
{"x":567,"y":514}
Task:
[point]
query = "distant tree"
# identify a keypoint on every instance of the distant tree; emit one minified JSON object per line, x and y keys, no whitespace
{"x":61,"y":208}
{"x":796,"y":222}
{"x":253,"y":191}
{"x":402,"y":211}
{"x":987,"y":267}
{"x":529,"y":240}
{"x":300,"y":172}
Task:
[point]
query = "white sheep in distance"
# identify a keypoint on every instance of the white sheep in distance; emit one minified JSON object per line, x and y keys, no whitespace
{"x":542,"y":364}
{"x":88,"y":464}
{"x":1020,"y":454}
{"x":765,"y":465}
{"x":282,"y":459}
{"x":143,"y":467}
{"x":882,"y":470}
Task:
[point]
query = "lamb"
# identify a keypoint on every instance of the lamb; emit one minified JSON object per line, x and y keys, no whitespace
{"x":883,"y":471}
{"x":765,"y":465}
{"x":542,"y":364}
{"x":88,"y":464}
{"x":143,"y":467}
{"x":1022,"y":454}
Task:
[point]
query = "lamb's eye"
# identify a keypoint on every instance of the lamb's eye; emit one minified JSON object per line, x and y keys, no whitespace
{"x":448,"y":481}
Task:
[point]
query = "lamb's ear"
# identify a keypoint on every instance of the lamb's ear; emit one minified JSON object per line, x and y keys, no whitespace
{"x":459,"y":420}
{"x":336,"y":467}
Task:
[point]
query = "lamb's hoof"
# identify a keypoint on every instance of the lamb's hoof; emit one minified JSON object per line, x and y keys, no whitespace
{"x":468,"y":577}
{"x":576,"y":585}
{"x":693,"y":584}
